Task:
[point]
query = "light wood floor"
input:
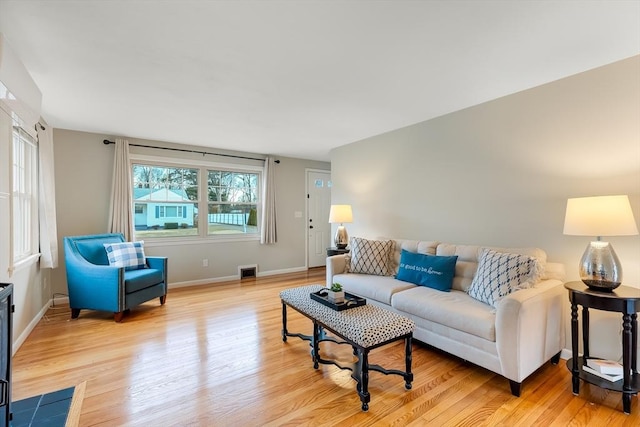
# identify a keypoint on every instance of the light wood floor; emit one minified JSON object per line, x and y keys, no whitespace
{"x":213,"y":356}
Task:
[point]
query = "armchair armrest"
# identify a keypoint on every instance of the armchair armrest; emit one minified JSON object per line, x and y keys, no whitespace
{"x":157,"y":262}
{"x":336,"y":264}
{"x":530,"y":328}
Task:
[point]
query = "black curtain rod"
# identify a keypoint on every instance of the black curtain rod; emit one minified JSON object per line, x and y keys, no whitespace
{"x":107,"y":142}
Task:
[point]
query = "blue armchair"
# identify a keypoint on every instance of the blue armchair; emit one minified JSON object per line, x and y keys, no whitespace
{"x":95,"y":285}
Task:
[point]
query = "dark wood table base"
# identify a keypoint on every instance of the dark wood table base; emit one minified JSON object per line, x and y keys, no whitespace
{"x":360,"y":370}
{"x":625,"y":300}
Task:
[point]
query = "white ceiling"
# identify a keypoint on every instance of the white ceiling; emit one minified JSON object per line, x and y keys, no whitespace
{"x":298,"y":78}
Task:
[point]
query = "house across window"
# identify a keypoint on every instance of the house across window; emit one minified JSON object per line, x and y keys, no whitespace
{"x":165,"y":201}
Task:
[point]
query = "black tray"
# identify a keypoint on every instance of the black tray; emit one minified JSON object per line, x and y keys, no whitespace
{"x":350,"y":300}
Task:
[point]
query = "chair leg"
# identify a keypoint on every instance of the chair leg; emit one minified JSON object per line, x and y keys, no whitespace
{"x":118,"y":316}
{"x":163,"y":299}
{"x":556,"y":359}
{"x":75,"y":312}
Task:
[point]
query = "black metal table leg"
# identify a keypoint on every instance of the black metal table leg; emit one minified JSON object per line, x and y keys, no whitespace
{"x":408,"y":357}
{"x":575,"y":375}
{"x":626,"y":363}
{"x":634,"y":343}
{"x":585,"y":333}
{"x":363,"y":390}
{"x":315,"y":353}
{"x":284,"y":322}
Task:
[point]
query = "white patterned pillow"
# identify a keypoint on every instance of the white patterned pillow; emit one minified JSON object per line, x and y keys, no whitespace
{"x":500,"y":274}
{"x":129,"y":255}
{"x":371,"y":256}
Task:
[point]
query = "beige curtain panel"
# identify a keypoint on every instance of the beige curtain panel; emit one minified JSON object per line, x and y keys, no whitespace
{"x":268,"y":231}
{"x":121,"y":216}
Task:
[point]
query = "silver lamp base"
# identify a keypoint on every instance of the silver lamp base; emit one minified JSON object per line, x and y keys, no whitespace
{"x":600,"y":267}
{"x":341,"y":238}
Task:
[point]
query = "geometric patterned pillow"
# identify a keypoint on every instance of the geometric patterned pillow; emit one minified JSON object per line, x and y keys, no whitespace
{"x":129,"y":255}
{"x":500,"y":274}
{"x":371,"y":256}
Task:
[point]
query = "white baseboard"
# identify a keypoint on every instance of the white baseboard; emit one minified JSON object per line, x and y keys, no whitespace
{"x":30,"y":327}
{"x":565,"y":354}
{"x":210,"y":280}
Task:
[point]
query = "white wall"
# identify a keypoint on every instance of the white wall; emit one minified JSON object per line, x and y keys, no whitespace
{"x":500,"y":173}
{"x":83,"y":184}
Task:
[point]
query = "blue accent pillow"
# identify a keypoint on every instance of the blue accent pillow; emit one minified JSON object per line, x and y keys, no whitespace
{"x":427,"y":270}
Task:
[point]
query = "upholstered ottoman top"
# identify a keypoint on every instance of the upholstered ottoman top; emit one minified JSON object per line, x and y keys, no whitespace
{"x":367,"y":325}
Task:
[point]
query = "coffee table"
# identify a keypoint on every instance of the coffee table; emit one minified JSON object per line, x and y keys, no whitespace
{"x":364,"y":328}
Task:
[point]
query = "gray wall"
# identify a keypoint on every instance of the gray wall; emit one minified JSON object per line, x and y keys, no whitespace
{"x":83,"y":184}
{"x":500,"y":174}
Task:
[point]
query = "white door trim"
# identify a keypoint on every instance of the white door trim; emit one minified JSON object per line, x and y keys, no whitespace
{"x":307,"y":171}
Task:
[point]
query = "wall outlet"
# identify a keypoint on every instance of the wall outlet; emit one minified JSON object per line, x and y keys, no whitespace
{"x":205,"y":262}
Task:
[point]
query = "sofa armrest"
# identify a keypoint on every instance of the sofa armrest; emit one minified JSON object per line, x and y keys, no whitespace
{"x":530,"y":328}
{"x":336,"y":264}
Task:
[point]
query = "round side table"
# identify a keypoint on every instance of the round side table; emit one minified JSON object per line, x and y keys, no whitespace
{"x":625,"y":300}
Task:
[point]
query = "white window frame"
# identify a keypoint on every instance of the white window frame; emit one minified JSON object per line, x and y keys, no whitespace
{"x":24,"y":195}
{"x":203,"y":166}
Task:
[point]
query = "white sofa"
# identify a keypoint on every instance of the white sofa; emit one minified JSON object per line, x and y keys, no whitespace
{"x":523,"y":331}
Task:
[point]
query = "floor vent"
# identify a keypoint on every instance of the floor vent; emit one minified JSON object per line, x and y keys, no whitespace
{"x":247,"y":271}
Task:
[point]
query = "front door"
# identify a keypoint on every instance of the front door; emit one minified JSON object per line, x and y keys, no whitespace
{"x":318,"y":227}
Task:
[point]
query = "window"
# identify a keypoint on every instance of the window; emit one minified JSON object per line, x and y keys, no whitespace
{"x":24,"y":193}
{"x":232,"y":202}
{"x":167,"y":201}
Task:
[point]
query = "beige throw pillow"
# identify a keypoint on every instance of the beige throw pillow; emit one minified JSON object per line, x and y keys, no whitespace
{"x":371,"y":256}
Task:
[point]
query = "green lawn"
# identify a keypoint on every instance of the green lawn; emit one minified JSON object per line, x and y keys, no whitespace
{"x":182,"y":232}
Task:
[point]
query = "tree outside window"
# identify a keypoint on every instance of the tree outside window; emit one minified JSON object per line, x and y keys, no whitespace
{"x":232,"y":202}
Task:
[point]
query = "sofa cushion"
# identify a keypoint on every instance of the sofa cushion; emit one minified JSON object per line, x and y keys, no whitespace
{"x":466,"y":265}
{"x":500,"y":274}
{"x":378,"y":288}
{"x":427,"y":270}
{"x":371,"y":256}
{"x":469,"y":255}
{"x":416,"y":246}
{"x":453,"y":309}
{"x":129,"y":255}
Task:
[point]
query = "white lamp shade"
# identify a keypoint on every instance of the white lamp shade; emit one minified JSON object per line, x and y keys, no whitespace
{"x":340,"y":214}
{"x":599,"y":216}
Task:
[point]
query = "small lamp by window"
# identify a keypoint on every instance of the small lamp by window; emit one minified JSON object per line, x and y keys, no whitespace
{"x":339,"y":214}
{"x":600,"y":267}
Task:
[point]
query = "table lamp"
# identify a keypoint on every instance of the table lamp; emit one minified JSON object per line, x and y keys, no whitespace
{"x":340,"y":214}
{"x":600,"y":267}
